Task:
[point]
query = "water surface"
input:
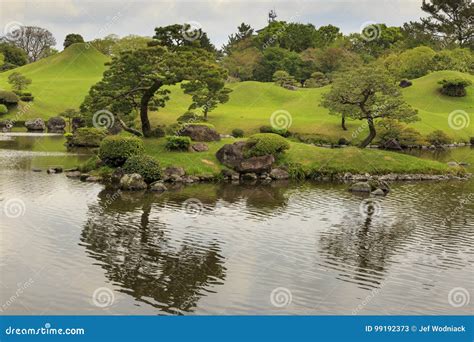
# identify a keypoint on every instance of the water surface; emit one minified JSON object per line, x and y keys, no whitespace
{"x":74,"y":248}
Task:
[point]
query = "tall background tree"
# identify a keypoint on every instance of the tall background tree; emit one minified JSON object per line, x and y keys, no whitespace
{"x":369,"y":94}
{"x":453,"y":20}
{"x":35,"y":41}
{"x":72,"y":38}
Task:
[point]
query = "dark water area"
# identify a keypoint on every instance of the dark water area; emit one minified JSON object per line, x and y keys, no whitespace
{"x":70,"y":247}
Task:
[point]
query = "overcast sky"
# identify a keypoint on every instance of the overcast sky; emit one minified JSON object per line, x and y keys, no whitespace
{"x":219,"y":18}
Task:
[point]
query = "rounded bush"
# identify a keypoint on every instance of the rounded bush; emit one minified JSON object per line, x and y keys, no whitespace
{"x":455,"y":87}
{"x":280,"y":131}
{"x":190,"y":117}
{"x":88,"y":137}
{"x":178,"y":143}
{"x":26,"y":98}
{"x":237,"y":133}
{"x":8,"y":98}
{"x":115,"y":150}
{"x":3,"y":109}
{"x":146,"y":166}
{"x":438,"y":138}
{"x":265,"y":143}
{"x":158,"y":132}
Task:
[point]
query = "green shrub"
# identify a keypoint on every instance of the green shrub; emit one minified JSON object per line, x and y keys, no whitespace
{"x":199,"y":124}
{"x":190,"y":117}
{"x":280,"y":131}
{"x":317,"y":80}
{"x":405,"y":136}
{"x":115,"y":150}
{"x":26,"y":98}
{"x":177,"y":143}
{"x":146,"y":166}
{"x":455,"y":86}
{"x":471,"y":140}
{"x":88,"y":137}
{"x":8,"y":98}
{"x":265,"y":143}
{"x":438,"y":138}
{"x":237,"y":133}
{"x":90,"y":164}
{"x":159,"y":132}
{"x":3,"y":109}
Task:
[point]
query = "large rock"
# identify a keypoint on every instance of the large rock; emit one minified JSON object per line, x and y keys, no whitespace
{"x":6,"y":126}
{"x":158,"y":187}
{"x":279,"y":174}
{"x":232,"y":156}
{"x":132,"y":182}
{"x":200,"y":147}
{"x":256,"y":164}
{"x":173,"y":174}
{"x":360,"y":187}
{"x":405,"y":83}
{"x":35,"y":125}
{"x":200,"y":133}
{"x":56,"y":125}
{"x":77,"y":122}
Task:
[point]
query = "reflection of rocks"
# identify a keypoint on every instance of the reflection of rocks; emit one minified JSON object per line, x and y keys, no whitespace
{"x":133,"y":248}
{"x":269,"y":196}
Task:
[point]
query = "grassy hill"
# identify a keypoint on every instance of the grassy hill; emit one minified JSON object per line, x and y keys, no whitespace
{"x":251,"y":105}
{"x":63,"y":80}
{"x":60,"y":81}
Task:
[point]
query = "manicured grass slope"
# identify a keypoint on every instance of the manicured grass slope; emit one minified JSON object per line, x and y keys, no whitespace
{"x":251,"y":105}
{"x":324,"y":160}
{"x":60,"y":81}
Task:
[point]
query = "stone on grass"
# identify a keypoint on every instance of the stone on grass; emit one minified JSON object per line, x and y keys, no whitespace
{"x":278,"y":174}
{"x":35,"y":125}
{"x":200,"y":147}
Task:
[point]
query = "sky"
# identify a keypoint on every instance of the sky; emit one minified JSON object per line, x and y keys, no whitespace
{"x":219,"y":18}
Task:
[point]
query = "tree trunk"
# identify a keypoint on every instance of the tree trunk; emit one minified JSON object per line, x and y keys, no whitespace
{"x":129,"y":129}
{"x":371,"y":135}
{"x":343,"y":122}
{"x":147,"y":96}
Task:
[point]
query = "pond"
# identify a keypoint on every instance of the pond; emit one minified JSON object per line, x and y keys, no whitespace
{"x":70,"y":247}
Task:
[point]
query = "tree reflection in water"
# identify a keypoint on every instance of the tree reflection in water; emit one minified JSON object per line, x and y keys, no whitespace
{"x":132,"y":245}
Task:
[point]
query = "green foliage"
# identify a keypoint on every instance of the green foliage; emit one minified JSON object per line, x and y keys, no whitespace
{"x":282,"y":78}
{"x":243,"y":61}
{"x":265,"y":143}
{"x":237,"y":133}
{"x":158,"y":132}
{"x":3,"y":109}
{"x":18,"y":81}
{"x":275,"y":58}
{"x":8,"y":98}
{"x":146,"y":166}
{"x":270,"y":129}
{"x":178,"y":143}
{"x":13,"y":55}
{"x":115,"y":150}
{"x":411,"y":63}
{"x":190,"y":117}
{"x":367,"y":94}
{"x":438,"y":138}
{"x":27,"y":98}
{"x":454,"y":86}
{"x":317,"y":80}
{"x":392,"y":130}
{"x":72,"y":38}
{"x":88,"y":136}
{"x":90,"y":164}
{"x":455,"y":59}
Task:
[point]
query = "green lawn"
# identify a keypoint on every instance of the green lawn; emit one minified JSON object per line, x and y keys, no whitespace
{"x":60,"y":81}
{"x":324,"y":160}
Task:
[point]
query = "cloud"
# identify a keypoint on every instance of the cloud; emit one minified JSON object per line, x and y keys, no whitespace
{"x":219,"y":18}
